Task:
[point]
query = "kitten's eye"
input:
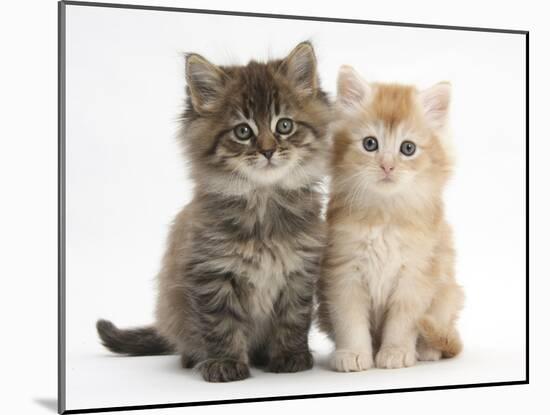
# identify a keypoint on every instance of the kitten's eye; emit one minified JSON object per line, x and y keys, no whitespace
{"x":243,"y":132}
{"x":370,"y":143}
{"x":284,"y":126}
{"x":408,"y":148}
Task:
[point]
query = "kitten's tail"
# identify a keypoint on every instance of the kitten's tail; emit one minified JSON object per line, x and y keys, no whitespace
{"x":142,"y":341}
{"x":445,"y":339}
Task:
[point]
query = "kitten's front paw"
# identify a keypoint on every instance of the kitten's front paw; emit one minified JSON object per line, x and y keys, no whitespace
{"x":224,"y":370}
{"x":350,"y":361}
{"x":291,"y":362}
{"x":391,"y":357}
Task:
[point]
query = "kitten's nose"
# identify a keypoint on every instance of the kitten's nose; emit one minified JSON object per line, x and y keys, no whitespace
{"x":387,"y":167}
{"x":267,"y":153}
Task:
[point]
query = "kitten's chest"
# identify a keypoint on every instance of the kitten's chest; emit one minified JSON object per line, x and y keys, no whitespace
{"x":380,"y":257}
{"x":265,"y":269}
{"x":265,"y":283}
{"x":268,"y":241}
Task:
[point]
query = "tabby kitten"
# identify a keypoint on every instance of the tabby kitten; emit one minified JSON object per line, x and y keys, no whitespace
{"x":238,"y":276}
{"x":387,"y":290}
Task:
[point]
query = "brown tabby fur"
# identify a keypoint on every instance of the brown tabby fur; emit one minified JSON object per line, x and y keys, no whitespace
{"x":238,"y":275}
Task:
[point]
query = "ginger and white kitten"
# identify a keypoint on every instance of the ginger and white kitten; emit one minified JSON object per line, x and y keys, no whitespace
{"x":387,"y":291}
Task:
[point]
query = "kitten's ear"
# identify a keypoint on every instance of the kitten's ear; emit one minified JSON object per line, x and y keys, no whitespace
{"x":205,"y":81}
{"x":300,"y":66}
{"x":352,"y":89}
{"x":435,"y":103}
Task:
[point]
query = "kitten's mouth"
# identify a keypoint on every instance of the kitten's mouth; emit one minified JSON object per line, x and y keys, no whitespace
{"x":267,"y":165}
{"x":268,"y":172}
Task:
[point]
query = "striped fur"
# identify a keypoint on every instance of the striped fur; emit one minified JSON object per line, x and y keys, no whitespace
{"x":237,"y":281}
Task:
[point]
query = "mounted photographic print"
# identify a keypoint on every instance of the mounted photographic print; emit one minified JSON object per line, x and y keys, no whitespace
{"x":263,"y":207}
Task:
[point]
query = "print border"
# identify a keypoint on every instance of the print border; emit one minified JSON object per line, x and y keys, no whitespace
{"x":61,"y":206}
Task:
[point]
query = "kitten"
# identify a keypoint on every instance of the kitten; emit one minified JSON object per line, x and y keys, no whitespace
{"x":387,"y":289}
{"x":239,"y":273}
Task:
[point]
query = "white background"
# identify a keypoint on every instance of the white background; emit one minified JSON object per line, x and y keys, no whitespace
{"x":28,"y":177}
{"x":126,"y":181}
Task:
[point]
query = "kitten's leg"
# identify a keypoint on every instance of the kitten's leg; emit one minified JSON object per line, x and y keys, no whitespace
{"x":259,"y":355}
{"x":289,"y":349}
{"x":221,"y":321}
{"x":425,"y":352}
{"x":438,"y":326}
{"x":349,"y":303}
{"x":188,"y":360}
{"x":408,"y":303}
